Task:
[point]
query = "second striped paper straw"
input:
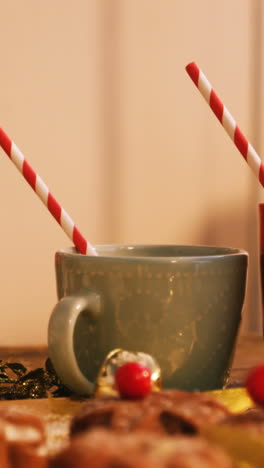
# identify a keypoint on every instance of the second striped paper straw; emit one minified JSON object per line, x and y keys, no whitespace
{"x":227,"y":121}
{"x":41,"y":189}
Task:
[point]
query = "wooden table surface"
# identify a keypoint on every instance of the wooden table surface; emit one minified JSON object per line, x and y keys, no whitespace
{"x":249,"y":352}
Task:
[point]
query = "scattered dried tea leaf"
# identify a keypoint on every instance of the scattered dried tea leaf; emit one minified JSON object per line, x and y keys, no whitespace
{"x":17,"y":383}
{"x":17,"y":368}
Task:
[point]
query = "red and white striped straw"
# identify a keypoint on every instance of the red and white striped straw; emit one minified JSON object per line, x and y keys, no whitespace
{"x":227,"y":121}
{"x":44,"y":194}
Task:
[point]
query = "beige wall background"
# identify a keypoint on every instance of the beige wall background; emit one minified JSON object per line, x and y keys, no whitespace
{"x":95,"y":94}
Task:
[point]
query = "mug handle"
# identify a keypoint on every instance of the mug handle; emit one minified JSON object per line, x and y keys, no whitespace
{"x":60,"y":339}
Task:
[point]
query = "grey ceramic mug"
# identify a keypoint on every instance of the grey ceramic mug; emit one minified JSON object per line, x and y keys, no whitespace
{"x":181,"y":304}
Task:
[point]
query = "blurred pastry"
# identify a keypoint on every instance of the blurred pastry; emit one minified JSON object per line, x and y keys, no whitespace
{"x":165,"y":412}
{"x":100,"y":448}
{"x":22,"y":440}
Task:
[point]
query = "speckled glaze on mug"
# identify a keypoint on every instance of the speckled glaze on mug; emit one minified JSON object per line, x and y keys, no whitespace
{"x":181,"y":304}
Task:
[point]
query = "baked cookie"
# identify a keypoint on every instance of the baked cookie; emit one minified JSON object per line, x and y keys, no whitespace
{"x":22,"y":440}
{"x":166,"y":412}
{"x":100,"y":448}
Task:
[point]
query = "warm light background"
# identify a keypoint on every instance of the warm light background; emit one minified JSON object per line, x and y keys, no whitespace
{"x":95,"y":94}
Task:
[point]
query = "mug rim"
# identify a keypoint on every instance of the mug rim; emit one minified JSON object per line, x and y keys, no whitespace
{"x":216,"y":252}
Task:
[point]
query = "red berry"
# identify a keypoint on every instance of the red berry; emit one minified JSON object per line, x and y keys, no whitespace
{"x":255,"y":384}
{"x":133,"y":380}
